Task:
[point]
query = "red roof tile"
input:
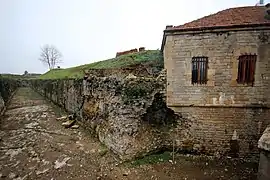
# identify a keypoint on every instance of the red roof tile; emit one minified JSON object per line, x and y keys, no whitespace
{"x":250,"y":15}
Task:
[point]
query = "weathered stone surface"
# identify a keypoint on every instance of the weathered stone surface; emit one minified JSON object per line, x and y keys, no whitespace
{"x":264,"y":141}
{"x":223,"y":50}
{"x":7,"y":87}
{"x":33,"y":141}
{"x":2,"y":103}
{"x":35,"y":146}
{"x":264,"y":166}
{"x":76,"y":126}
{"x":128,"y":115}
{"x":62,"y":118}
{"x":213,"y":111}
{"x":68,"y":123}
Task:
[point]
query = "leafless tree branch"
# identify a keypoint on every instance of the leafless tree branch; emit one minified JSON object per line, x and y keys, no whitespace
{"x":50,"y":56}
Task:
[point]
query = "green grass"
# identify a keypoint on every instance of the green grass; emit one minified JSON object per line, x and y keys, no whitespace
{"x":12,"y":76}
{"x":152,"y":159}
{"x":103,"y":150}
{"x":17,"y":76}
{"x":121,"y":61}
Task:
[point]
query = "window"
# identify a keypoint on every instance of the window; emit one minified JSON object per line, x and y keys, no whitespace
{"x":246,"y":69}
{"x":199,"y":70}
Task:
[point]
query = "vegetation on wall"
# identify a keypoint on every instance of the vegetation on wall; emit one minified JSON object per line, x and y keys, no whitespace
{"x":18,"y":76}
{"x":118,"y":62}
{"x":7,"y":87}
{"x":134,"y":91}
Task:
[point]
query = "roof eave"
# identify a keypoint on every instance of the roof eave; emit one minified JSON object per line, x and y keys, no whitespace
{"x":215,"y":27}
{"x":164,"y":37}
{"x":163,"y":42}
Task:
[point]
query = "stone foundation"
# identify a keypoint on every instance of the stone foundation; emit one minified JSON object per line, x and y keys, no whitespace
{"x":230,"y":131}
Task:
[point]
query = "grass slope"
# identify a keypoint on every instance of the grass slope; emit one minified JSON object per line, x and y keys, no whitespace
{"x":121,"y":61}
{"x":18,"y":76}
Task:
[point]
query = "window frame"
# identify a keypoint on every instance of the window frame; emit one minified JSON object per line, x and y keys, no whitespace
{"x":199,"y":63}
{"x":246,"y":69}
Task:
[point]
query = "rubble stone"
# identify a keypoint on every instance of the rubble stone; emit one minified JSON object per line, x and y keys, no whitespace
{"x":68,"y":123}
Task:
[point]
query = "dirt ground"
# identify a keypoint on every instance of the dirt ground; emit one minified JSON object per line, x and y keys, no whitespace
{"x":34,"y":145}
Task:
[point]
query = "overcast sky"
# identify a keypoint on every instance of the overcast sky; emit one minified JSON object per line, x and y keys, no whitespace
{"x":86,"y":31}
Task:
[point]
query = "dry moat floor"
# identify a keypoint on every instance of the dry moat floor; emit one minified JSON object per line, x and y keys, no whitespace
{"x":34,"y":145}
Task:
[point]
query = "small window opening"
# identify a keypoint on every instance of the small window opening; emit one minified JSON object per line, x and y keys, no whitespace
{"x":199,"y":70}
{"x":246,"y":69}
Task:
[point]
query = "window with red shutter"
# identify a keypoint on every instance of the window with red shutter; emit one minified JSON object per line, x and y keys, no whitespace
{"x":246,"y":69}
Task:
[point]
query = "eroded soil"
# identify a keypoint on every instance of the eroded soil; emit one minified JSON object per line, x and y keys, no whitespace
{"x":34,"y":145}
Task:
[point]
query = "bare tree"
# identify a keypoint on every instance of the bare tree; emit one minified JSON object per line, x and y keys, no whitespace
{"x":50,"y":56}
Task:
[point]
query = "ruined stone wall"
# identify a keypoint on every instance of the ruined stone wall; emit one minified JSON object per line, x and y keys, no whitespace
{"x":147,"y":69}
{"x":66,"y":93}
{"x":135,"y":50}
{"x":7,"y":87}
{"x":222,"y":108}
{"x":126,"y":52}
{"x":128,"y":115}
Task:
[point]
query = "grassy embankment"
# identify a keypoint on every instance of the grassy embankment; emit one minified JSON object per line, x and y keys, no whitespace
{"x":118,"y":62}
{"x":18,"y":76}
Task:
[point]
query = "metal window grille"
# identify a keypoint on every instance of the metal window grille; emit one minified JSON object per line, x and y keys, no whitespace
{"x":199,"y":70}
{"x":246,"y":69}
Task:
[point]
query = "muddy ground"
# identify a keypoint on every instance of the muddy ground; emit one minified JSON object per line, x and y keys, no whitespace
{"x":34,"y":145}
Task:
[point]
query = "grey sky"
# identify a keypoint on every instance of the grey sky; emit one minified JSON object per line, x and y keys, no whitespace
{"x":86,"y":31}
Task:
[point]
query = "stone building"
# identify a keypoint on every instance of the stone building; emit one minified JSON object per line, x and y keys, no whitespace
{"x":218,"y":78}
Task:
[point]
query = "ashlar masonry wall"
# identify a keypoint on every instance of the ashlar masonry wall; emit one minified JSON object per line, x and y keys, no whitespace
{"x":222,"y":110}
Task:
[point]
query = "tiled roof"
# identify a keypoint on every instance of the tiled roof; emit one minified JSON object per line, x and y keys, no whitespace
{"x":239,"y":16}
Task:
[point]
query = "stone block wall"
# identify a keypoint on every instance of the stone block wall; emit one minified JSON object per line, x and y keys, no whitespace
{"x":7,"y":88}
{"x":66,"y":93}
{"x":216,"y":130}
{"x":222,"y":50}
{"x":222,"y":112}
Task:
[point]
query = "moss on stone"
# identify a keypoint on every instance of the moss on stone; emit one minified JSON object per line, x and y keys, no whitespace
{"x":152,"y":159}
{"x":135,"y":91}
{"x":103,"y":150}
{"x":267,"y":16}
